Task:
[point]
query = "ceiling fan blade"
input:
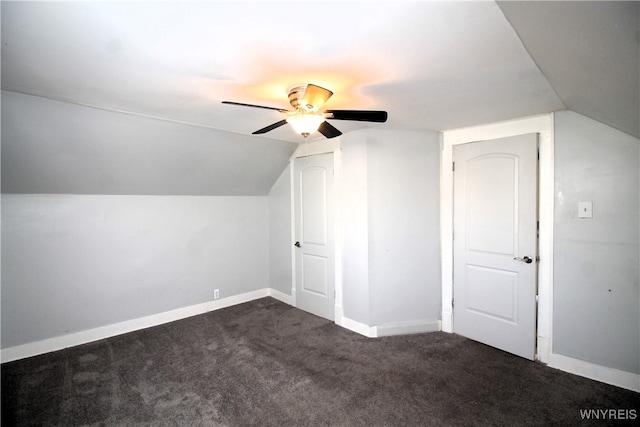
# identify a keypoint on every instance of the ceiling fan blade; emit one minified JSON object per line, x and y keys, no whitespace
{"x":328,"y":130}
{"x":358,"y":115}
{"x":255,"y":106}
{"x":315,"y":96}
{"x":270,"y":127}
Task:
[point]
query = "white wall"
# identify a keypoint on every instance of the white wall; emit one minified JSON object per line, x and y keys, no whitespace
{"x":55,"y":147}
{"x":355,"y":232}
{"x":391,"y":260}
{"x":108,"y":217}
{"x":596,"y":305}
{"x":404,"y":233}
{"x":280,"y":234}
{"x":72,"y":263}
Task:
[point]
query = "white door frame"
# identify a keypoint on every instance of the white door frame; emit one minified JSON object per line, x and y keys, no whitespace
{"x":312,"y":148}
{"x":543,"y":125}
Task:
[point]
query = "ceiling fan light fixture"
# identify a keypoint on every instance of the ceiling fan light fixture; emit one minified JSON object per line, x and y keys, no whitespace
{"x":306,"y":117}
{"x":305,"y":123}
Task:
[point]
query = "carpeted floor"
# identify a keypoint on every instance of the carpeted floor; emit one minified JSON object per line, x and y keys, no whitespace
{"x":265,"y":363}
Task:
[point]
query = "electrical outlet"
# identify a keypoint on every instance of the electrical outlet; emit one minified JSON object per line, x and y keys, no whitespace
{"x":216,"y":293}
{"x":585,"y":209}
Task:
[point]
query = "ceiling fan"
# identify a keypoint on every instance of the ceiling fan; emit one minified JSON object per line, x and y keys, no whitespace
{"x":306,"y":117}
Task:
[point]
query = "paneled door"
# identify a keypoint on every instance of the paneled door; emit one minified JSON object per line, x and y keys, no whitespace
{"x":495,"y":242}
{"x":314,"y":234}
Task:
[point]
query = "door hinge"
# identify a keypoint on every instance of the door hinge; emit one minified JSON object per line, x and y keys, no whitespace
{"x":453,"y":166}
{"x":452,"y":301}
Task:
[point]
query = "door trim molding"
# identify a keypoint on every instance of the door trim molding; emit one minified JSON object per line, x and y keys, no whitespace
{"x":543,"y":125}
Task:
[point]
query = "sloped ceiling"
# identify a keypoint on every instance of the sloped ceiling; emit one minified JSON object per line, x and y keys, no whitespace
{"x":432,"y":65}
{"x":589,"y":52}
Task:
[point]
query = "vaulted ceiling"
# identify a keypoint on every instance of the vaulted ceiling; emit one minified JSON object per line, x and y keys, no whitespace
{"x":432,"y":65}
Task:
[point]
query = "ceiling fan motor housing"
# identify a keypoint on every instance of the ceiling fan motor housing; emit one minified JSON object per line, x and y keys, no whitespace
{"x":296,"y":95}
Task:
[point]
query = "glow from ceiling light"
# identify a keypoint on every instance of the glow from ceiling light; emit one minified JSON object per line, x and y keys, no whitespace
{"x":305,"y":123}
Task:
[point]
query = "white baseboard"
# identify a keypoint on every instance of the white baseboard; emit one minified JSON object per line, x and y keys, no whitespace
{"x":357,"y":327}
{"x":385,"y":330}
{"x":603,"y":374}
{"x":58,"y":343}
{"x":407,"y":328}
{"x":281,"y":296}
{"x":352,"y":325}
{"x":592,"y":371}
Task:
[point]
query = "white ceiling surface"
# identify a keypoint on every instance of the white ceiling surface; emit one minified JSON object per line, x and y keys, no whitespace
{"x":431,"y":65}
{"x":589,"y":52}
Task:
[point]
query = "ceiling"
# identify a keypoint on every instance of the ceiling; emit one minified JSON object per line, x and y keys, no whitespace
{"x":432,"y":65}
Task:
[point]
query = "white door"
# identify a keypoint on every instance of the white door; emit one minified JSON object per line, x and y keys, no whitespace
{"x":314,"y":234}
{"x":495,"y":243}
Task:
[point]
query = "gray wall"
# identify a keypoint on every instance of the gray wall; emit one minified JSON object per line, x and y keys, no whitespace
{"x":596,"y":293}
{"x":62,"y":148}
{"x":391,"y":238}
{"x":356,"y":290}
{"x":280,"y":237}
{"x":109,"y":217}
{"x":72,"y":263}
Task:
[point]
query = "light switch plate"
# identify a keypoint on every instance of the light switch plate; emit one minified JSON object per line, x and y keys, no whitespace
{"x":585,"y":209}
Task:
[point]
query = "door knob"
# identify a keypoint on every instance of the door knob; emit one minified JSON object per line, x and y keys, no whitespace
{"x":296,"y":244}
{"x":526,"y":259}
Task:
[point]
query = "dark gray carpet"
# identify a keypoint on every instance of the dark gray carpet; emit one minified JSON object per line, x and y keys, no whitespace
{"x":265,"y":363}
